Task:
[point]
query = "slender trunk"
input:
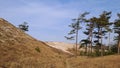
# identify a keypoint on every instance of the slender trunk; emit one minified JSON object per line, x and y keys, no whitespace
{"x":101,"y":48}
{"x":101,"y":42}
{"x":118,"y":47}
{"x":119,"y":44}
{"x":98,"y":39}
{"x":86,"y":49}
{"x":91,"y":41}
{"x":109,"y":42}
{"x":89,"y":45}
{"x":76,"y":41}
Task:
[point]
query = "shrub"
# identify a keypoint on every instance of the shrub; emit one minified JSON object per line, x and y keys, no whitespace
{"x":109,"y":53}
{"x":114,"y":48}
{"x":37,"y":49}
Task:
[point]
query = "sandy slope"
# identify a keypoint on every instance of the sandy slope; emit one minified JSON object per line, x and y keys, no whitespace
{"x":61,"y":45}
{"x":65,"y":46}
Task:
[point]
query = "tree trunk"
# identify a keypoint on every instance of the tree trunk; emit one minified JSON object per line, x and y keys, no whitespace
{"x":119,"y":47}
{"x":101,"y":42}
{"x":109,"y":42}
{"x":119,"y":44}
{"x":101,"y":47}
{"x":98,"y":39}
{"x":90,"y":38}
{"x":76,"y":41}
{"x":91,"y":41}
{"x":89,"y":45}
{"x":86,"y":50}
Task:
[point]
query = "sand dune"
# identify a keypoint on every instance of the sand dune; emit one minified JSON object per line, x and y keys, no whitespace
{"x":61,"y":45}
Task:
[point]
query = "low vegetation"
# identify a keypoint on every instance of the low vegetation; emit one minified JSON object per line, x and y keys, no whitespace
{"x":99,"y":62}
{"x":37,"y":49}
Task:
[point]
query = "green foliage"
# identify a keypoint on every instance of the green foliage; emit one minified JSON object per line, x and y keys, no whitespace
{"x":84,"y":42}
{"x":117,"y":30}
{"x":24,"y":26}
{"x":114,"y":48}
{"x":76,"y":26}
{"x":117,"y":21}
{"x":37,"y":49}
{"x":101,"y":25}
{"x":97,"y":53}
{"x":89,"y":54}
{"x":97,"y":29}
{"x":109,"y":53}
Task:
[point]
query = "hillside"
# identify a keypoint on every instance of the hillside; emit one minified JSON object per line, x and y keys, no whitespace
{"x":19,"y":50}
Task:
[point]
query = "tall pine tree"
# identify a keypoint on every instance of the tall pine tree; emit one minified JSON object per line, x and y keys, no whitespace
{"x":75,"y":28}
{"x":100,"y":24}
{"x":117,"y":30}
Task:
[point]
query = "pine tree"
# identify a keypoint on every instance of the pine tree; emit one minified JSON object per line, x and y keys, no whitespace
{"x":85,"y":42}
{"x":117,"y":30}
{"x":75,"y":28}
{"x":100,"y":24}
{"x":23,"y":26}
{"x":89,"y":32}
{"x":109,"y":30}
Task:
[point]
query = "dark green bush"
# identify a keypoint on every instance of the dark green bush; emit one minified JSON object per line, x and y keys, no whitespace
{"x":109,"y":53}
{"x":114,"y":48}
{"x":37,"y":49}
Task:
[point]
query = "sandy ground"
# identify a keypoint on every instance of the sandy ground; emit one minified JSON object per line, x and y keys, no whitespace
{"x":61,"y":45}
{"x":64,"y":46}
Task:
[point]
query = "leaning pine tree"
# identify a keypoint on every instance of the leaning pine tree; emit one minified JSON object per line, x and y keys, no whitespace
{"x":75,"y":28}
{"x":85,"y":42}
{"x":88,"y":41}
{"x":89,"y":32}
{"x":100,"y":24}
{"x":117,"y":30}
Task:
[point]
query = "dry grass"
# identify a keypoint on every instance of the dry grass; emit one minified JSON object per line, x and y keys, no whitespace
{"x":100,"y":62}
{"x":17,"y":50}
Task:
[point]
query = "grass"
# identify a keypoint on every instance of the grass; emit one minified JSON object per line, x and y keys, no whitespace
{"x":99,"y":62}
{"x":18,"y":50}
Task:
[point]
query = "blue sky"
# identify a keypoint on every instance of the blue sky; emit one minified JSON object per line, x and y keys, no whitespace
{"x":49,"y":19}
